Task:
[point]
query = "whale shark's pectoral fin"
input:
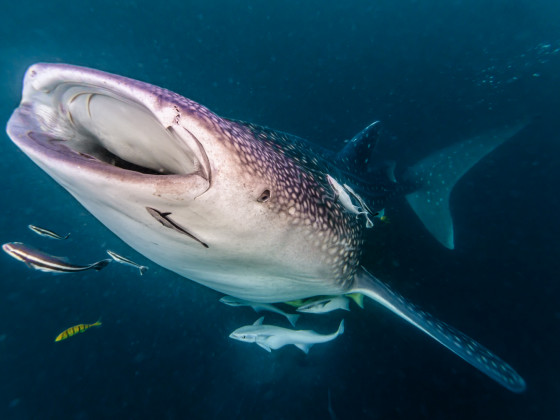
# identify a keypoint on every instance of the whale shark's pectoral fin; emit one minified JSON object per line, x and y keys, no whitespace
{"x":264,"y":346}
{"x":304,"y":347}
{"x":459,"y":343}
{"x":436,"y":175}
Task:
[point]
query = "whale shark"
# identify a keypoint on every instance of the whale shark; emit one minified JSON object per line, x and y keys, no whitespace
{"x":243,"y":209}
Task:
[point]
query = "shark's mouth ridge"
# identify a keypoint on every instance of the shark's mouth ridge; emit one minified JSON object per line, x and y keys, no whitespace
{"x":102,"y":126}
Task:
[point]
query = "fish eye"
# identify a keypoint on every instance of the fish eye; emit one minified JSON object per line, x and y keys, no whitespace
{"x":264,"y":197}
{"x":243,"y":336}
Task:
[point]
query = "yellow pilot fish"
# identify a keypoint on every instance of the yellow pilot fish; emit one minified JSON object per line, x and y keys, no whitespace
{"x":75,"y":330}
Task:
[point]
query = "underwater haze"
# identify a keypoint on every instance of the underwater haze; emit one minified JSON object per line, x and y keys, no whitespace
{"x":433,"y":73}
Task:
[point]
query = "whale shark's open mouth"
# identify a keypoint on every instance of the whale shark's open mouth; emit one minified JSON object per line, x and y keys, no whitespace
{"x":126,"y":135}
{"x":104,"y":123}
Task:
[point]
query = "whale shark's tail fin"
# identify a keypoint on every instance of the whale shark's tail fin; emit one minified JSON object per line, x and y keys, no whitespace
{"x":460,"y":344}
{"x":436,"y":175}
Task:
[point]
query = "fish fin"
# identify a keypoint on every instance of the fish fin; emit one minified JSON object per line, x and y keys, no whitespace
{"x":165,"y":213}
{"x":460,"y":344}
{"x":292,"y":318}
{"x":340,"y":330}
{"x":383,"y":170}
{"x":358,"y":298}
{"x":97,"y":323}
{"x":264,"y":346}
{"x":390,"y":170}
{"x":356,"y":154}
{"x":437,"y":174}
{"x":143,"y":269}
{"x":99,"y":265}
{"x":303,"y":347}
{"x":67,"y":236}
{"x":259,"y":321}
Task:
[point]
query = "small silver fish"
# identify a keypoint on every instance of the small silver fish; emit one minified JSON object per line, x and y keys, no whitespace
{"x":47,"y":233}
{"x":233,"y":301}
{"x":44,"y":262}
{"x":324,"y":305}
{"x":124,"y":260}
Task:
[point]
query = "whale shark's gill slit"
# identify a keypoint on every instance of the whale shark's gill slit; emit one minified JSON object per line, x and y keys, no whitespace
{"x":165,"y":220}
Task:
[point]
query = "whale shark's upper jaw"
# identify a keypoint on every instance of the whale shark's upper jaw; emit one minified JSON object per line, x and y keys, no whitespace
{"x":72,"y":116}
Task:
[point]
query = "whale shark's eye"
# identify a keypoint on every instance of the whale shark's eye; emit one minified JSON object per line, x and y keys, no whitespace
{"x":264,"y":197}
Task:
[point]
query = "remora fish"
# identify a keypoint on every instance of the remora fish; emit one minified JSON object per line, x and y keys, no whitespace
{"x":344,"y":193}
{"x":80,"y":328}
{"x":124,"y":260}
{"x":44,"y":262}
{"x":270,"y":337}
{"x":259,"y":199}
{"x":47,"y":233}
{"x":258,"y":306}
{"x":324,"y":305}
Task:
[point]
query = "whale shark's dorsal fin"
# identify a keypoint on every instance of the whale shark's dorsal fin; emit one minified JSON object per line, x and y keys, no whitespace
{"x":436,"y":175}
{"x":356,"y":155}
{"x":259,"y":321}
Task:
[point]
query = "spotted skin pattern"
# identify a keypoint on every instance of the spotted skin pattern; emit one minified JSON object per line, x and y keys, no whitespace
{"x":301,"y":193}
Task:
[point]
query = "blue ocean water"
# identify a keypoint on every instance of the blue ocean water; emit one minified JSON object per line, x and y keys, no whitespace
{"x":433,"y":73}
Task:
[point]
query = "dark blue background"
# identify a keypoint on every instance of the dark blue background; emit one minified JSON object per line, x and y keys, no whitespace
{"x":434,"y":72}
